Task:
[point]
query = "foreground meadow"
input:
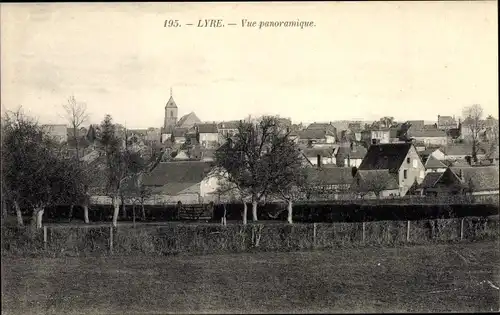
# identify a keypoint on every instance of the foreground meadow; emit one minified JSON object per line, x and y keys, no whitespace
{"x":436,"y":278}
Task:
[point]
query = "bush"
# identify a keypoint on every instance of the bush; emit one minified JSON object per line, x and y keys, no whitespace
{"x":208,"y":238}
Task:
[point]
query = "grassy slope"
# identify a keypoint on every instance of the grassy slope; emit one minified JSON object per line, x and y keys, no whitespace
{"x":434,"y":278}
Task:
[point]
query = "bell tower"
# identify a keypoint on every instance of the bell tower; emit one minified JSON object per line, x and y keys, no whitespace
{"x":170,"y":115}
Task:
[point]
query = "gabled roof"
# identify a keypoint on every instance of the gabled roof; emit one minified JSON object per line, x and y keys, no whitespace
{"x":430,"y":179}
{"x":387,"y":156}
{"x":187,"y":172}
{"x":207,"y":128}
{"x":433,"y":163}
{"x":426,"y":133}
{"x":313,"y":134}
{"x":481,"y":178}
{"x":191,"y":116}
{"x":330,"y":175}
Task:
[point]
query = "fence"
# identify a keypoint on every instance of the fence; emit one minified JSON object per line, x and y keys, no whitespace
{"x":213,"y":238}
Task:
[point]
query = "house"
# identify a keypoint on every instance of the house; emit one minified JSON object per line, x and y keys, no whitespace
{"x":433,"y":165}
{"x":319,"y":156}
{"x":350,"y":156}
{"x":471,"y":180}
{"x":208,"y":134}
{"x":58,"y":132}
{"x":190,"y":182}
{"x":428,"y":137}
{"x":330,"y":183}
{"x":316,"y":137}
{"x":446,"y":122}
{"x":398,"y":160}
{"x":384,"y":135}
{"x":455,"y":152}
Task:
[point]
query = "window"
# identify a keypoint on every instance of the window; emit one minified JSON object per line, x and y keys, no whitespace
{"x":405,"y":174}
{"x":415,"y":164}
{"x":171,"y":113}
{"x":408,"y":160}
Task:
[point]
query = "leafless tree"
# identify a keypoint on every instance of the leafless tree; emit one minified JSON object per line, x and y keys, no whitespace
{"x":76,"y":115}
{"x":473,"y":118}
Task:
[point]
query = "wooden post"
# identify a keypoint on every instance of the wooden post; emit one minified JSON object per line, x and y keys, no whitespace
{"x":363,"y":231}
{"x":111,"y":239}
{"x":462,"y":229}
{"x":314,"y":234}
{"x":408,"y":232}
{"x":45,"y":237}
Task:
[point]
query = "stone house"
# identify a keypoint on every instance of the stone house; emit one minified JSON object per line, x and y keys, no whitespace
{"x":399,"y":161}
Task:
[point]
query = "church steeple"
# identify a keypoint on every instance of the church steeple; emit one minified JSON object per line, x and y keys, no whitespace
{"x":171,"y":111}
{"x":171,"y":102}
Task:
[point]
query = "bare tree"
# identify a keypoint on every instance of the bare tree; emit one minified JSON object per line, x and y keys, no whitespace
{"x":76,"y":115}
{"x":473,"y":120}
{"x":244,"y":158}
{"x":370,"y":183}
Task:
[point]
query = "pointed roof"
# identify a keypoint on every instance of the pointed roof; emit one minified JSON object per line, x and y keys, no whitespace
{"x":432,"y":163}
{"x":171,"y":103}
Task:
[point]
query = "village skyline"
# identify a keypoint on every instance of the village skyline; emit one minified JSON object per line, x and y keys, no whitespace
{"x":361,"y":61}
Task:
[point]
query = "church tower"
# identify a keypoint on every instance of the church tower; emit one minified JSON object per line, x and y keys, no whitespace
{"x":170,"y":115}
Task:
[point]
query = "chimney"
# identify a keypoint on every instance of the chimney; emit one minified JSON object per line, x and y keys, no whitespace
{"x":319,"y":160}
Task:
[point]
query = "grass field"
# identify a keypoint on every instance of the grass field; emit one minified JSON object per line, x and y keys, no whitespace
{"x":438,"y":278}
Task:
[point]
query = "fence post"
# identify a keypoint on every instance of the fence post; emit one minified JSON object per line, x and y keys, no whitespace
{"x":462,"y":229}
{"x":45,"y":237}
{"x":363,"y":231}
{"x":111,"y":239}
{"x":408,"y":231}
{"x":314,"y":234}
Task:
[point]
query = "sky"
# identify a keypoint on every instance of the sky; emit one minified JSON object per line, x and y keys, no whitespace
{"x":360,"y":60}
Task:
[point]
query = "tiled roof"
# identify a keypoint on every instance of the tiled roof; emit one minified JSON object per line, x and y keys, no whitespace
{"x":357,"y":152}
{"x":387,"y":156}
{"x":314,"y":134}
{"x":177,"y":172}
{"x":184,"y":118}
{"x":368,"y":178}
{"x":330,"y":175}
{"x":482,"y":178}
{"x":207,"y":128}
{"x":430,"y":179}
{"x":433,"y":163}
